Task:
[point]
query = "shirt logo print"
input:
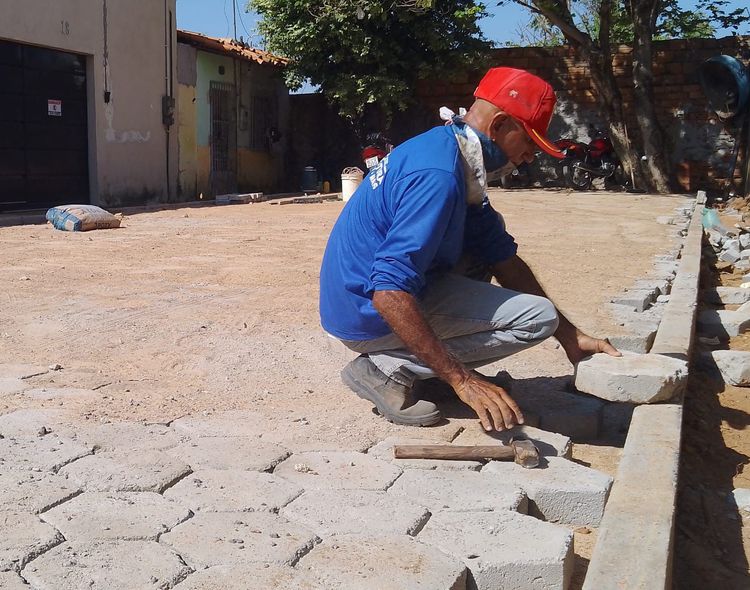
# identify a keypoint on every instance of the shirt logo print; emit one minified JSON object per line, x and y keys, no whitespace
{"x":377,"y":174}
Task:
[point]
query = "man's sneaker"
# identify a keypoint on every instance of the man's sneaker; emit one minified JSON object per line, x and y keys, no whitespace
{"x":393,"y":400}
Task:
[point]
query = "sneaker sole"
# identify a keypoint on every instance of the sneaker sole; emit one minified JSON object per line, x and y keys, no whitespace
{"x":384,"y":410}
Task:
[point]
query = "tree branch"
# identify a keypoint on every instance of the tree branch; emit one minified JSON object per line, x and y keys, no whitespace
{"x":605,"y":24}
{"x":563,"y":21}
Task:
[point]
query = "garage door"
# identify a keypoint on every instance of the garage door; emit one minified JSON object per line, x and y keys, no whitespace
{"x":43,"y":130}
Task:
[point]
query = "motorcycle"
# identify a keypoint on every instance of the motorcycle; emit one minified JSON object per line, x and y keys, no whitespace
{"x":585,"y":161}
{"x":378,"y":147}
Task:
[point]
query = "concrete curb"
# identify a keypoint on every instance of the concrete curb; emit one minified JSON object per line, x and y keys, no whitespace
{"x":635,"y":545}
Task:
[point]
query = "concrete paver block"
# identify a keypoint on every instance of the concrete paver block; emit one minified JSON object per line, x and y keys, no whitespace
{"x":560,"y":490}
{"x":357,"y":511}
{"x":229,"y":453}
{"x":548,"y":443}
{"x":221,"y":490}
{"x":505,"y":550}
{"x":723,"y":323}
{"x":382,"y":563}
{"x":12,"y":581}
{"x":101,"y":516}
{"x":39,"y":453}
{"x":21,"y":371}
{"x":637,"y":299}
{"x":726,"y":295}
{"x":150,"y":471}
{"x":638,"y":378}
{"x":11,"y":385}
{"x":31,"y":422}
{"x":33,"y":491}
{"x":114,"y":565}
{"x":384,"y":451}
{"x":734,"y":366}
{"x":229,"y":538}
{"x":127,"y":436}
{"x":259,"y":576}
{"x":459,"y":491}
{"x":341,"y":470}
{"x":571,"y":414}
{"x":23,"y":538}
{"x":638,"y":342}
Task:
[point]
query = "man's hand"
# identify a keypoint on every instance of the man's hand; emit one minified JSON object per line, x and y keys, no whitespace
{"x":495,"y":408}
{"x":584,"y":345}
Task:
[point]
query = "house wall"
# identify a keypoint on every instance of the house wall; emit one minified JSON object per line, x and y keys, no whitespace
{"x":132,"y":157}
{"x":257,"y":169}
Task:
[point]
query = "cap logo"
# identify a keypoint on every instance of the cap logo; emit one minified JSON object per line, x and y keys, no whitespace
{"x":513,"y":93}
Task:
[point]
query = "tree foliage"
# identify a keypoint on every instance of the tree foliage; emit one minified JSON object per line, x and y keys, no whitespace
{"x":674,"y":21}
{"x":361,"y":52}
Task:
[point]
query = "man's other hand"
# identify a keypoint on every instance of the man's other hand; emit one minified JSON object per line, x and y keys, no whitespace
{"x":585,"y":345}
{"x":495,"y":408}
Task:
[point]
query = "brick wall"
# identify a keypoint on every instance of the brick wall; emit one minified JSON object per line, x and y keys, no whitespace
{"x":700,"y":146}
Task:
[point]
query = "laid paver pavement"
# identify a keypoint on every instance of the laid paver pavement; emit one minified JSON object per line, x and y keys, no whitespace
{"x":150,"y":471}
{"x":223,"y":490}
{"x":39,"y":453}
{"x":339,"y":512}
{"x":251,"y":577}
{"x":229,"y":453}
{"x":103,"y":516}
{"x":12,"y":581}
{"x":230,"y":538}
{"x":106,"y":565}
{"x":24,"y":537}
{"x":34,"y":491}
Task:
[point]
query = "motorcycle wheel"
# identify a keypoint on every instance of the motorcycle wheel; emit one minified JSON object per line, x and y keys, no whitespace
{"x":576,"y":178}
{"x":619,"y":180}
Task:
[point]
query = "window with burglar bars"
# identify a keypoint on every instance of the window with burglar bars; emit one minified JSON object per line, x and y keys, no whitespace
{"x":262,"y":118}
{"x":223,"y":126}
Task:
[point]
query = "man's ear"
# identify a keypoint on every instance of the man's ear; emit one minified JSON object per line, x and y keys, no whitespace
{"x":498,"y":120}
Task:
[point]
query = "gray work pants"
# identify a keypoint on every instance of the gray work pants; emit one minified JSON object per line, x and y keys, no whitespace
{"x":478,"y":322}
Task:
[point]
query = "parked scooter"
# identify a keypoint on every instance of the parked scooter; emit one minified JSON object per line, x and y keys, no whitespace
{"x":585,"y":161}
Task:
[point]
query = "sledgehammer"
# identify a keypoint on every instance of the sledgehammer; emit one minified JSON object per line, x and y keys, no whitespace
{"x":521,"y":450}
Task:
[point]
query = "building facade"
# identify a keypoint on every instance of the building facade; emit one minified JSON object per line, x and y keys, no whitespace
{"x":233,"y":116}
{"x":87,"y":103}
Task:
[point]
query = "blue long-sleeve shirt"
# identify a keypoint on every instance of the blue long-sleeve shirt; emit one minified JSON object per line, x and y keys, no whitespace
{"x":407,"y":221}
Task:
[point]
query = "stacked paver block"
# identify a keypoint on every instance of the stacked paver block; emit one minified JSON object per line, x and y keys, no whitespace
{"x":644,"y":378}
{"x":723,"y":323}
{"x":235,"y":538}
{"x":378,"y":513}
{"x":727,"y":295}
{"x":114,"y":565}
{"x":504,"y":550}
{"x":459,"y":491}
{"x":734,"y":366}
{"x":231,"y":490}
{"x":559,"y":490}
{"x":105,"y":516}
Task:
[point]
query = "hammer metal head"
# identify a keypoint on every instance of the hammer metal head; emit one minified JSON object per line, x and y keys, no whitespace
{"x":526,"y":453}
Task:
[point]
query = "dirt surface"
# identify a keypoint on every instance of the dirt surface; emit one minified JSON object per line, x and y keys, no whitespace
{"x":201,"y":310}
{"x":215,"y":308}
{"x":712,"y":544}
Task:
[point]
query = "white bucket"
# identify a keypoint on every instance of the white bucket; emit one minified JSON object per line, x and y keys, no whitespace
{"x":351,"y":178}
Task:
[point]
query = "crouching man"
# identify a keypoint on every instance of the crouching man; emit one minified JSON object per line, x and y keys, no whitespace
{"x":404,"y":280}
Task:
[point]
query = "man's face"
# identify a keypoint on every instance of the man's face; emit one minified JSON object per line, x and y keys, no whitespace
{"x":513,"y":140}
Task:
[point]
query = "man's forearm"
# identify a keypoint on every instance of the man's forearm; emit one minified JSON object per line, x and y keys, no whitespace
{"x":515,"y":274}
{"x":402,"y":313}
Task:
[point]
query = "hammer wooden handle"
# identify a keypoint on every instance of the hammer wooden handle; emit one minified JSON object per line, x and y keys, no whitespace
{"x":455,"y":452}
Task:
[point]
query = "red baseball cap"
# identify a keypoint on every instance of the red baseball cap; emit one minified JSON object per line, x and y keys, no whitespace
{"x":525,"y":97}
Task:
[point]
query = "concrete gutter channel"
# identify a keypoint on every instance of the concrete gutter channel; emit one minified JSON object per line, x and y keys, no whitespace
{"x":635,"y":545}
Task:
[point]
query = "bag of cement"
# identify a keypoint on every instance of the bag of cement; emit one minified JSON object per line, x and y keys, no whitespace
{"x":81,"y":218}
